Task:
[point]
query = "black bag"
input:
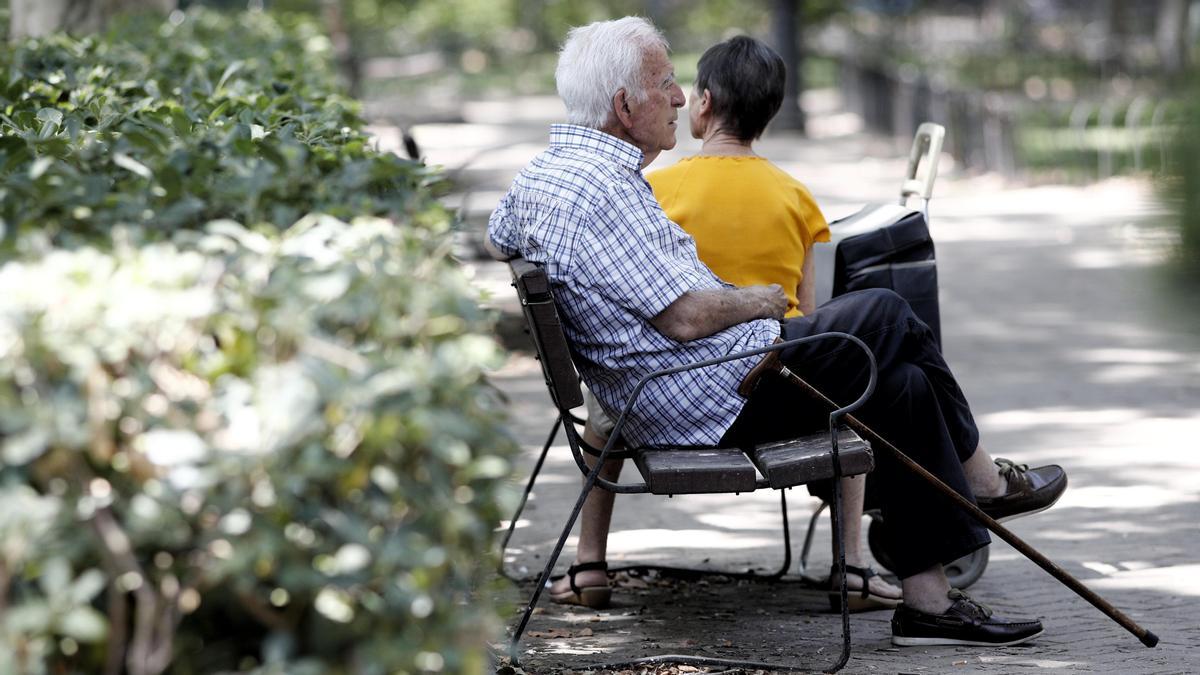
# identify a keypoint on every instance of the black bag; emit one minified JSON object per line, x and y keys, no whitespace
{"x":881,"y":246}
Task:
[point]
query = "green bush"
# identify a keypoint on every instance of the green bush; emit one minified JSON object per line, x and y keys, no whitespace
{"x":275,"y":442}
{"x":169,"y":126}
{"x":263,"y":447}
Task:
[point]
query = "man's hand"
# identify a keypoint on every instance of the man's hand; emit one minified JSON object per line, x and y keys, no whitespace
{"x":698,"y":314}
{"x":774,"y":300}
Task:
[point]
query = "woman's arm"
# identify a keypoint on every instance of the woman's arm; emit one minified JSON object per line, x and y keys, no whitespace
{"x":806,"y":290}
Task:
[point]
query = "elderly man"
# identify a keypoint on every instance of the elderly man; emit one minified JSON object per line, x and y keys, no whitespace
{"x":634,"y":298}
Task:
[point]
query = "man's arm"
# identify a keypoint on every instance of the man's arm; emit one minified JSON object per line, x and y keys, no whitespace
{"x":698,"y":314}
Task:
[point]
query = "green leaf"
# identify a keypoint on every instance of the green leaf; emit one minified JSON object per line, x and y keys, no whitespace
{"x":21,"y":449}
{"x":230,"y":71}
{"x":132,"y":165}
{"x":56,"y":576}
{"x":51,"y":120}
{"x":84,"y":624}
{"x":74,"y":126}
{"x":180,"y":122}
{"x":31,"y":618}
{"x":87,"y":586}
{"x":218,"y":111}
{"x":39,"y":167}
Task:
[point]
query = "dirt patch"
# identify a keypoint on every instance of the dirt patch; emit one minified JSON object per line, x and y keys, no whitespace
{"x":784,"y":622}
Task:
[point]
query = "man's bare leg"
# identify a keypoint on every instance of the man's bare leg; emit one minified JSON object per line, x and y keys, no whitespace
{"x":594,"y":520}
{"x":927,"y":591}
{"x":983,"y":475}
{"x":853,"y":493}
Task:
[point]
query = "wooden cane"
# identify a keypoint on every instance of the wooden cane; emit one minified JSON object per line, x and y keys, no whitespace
{"x":1147,"y":638}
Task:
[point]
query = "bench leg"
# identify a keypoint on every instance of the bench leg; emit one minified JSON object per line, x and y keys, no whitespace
{"x":525,"y":497}
{"x":514,"y":645}
{"x":839,"y":551}
{"x":787,"y":538}
{"x":808,"y":537}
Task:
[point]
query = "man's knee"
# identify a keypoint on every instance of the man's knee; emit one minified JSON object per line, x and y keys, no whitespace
{"x":906,"y":384}
{"x":884,"y":302}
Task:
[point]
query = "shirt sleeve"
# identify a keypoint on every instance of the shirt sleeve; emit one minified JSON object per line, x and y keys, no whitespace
{"x":814,"y":220}
{"x":638,"y":258}
{"x":502,"y":228}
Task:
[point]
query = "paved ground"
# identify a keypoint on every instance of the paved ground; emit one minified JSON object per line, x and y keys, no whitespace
{"x":1064,"y":332}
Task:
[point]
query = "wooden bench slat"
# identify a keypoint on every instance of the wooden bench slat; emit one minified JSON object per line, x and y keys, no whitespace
{"x":696,"y":471}
{"x":809,"y":458}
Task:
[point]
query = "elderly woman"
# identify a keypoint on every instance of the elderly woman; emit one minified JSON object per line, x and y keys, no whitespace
{"x":755,"y":224}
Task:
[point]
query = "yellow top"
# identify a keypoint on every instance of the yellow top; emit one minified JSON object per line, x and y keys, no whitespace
{"x":753,"y":223}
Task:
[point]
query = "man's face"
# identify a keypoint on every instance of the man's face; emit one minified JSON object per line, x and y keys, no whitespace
{"x":654,"y":119}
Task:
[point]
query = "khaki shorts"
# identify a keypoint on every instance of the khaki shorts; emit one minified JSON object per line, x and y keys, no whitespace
{"x":600,"y":421}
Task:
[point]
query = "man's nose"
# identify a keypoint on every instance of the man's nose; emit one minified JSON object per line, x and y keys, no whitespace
{"x":677,"y":97}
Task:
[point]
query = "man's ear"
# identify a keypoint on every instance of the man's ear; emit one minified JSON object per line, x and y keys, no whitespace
{"x":621,"y":108}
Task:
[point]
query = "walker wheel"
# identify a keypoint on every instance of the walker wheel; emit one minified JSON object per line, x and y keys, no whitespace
{"x":961,"y":573}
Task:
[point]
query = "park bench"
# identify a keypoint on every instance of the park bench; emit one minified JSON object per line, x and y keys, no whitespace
{"x":665,"y":471}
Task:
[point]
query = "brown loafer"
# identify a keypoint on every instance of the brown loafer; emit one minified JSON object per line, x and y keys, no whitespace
{"x":1029,"y":490}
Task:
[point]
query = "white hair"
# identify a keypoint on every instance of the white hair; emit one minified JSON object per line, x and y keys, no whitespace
{"x":599,"y":59}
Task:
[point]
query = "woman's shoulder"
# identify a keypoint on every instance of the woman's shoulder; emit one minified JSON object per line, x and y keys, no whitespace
{"x":679,"y":168}
{"x":665,"y":182}
{"x":787,"y":180}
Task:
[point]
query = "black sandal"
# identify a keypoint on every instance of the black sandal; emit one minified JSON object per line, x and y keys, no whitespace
{"x":858,"y":600}
{"x":595,"y":596}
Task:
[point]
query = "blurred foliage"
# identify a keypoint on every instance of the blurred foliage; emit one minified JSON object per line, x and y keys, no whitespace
{"x":541,"y":25}
{"x":170,"y":125}
{"x":263,"y":447}
{"x":509,"y":45}
{"x":1181,"y":185}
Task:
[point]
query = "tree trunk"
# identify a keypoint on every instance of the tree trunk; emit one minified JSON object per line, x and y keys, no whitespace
{"x":1171,"y":35}
{"x":1116,"y":40}
{"x":348,"y":59}
{"x":787,"y":32}
{"x":34,"y":18}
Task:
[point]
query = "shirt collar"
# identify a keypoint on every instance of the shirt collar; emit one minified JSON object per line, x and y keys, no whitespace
{"x":593,"y":140}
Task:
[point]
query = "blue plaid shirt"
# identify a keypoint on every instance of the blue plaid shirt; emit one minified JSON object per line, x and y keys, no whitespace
{"x":583,"y":209}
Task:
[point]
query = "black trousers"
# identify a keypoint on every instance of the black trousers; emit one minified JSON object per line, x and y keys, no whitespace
{"x":917,"y":405}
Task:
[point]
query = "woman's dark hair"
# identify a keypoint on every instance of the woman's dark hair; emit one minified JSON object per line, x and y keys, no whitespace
{"x":745,"y":79}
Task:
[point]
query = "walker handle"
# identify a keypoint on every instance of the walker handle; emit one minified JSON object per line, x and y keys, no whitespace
{"x":927,"y":145}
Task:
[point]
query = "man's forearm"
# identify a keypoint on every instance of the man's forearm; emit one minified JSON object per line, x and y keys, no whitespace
{"x":698,"y":314}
